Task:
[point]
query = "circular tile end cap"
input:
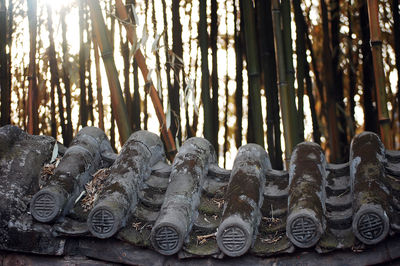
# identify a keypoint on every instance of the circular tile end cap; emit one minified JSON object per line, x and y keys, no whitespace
{"x":303,"y":230}
{"x":234,"y":238}
{"x":371,"y":224}
{"x":102,"y":222}
{"x":166,"y":238}
{"x":46,"y":205}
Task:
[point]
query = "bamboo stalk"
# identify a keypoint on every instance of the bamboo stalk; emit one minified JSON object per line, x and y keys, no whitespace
{"x":98,"y":83}
{"x":301,"y":61}
{"x":117,"y":100}
{"x":303,"y":69}
{"x":82,"y":68}
{"x":396,"y":34}
{"x":290,"y":72}
{"x":33,"y":103}
{"x":66,"y":80}
{"x":253,"y":68}
{"x":239,"y":74}
{"x":10,"y":30}
{"x":124,"y":47}
{"x":287,"y":101}
{"x":214,"y":73}
{"x":166,"y":49}
{"x":178,"y":72}
{"x":337,"y":72}
{"x":368,"y":83}
{"x":90,"y":99}
{"x":131,"y":34}
{"x":226,"y":141}
{"x":4,"y":86}
{"x":330,"y":100}
{"x":376,"y":48}
{"x":157,"y":52}
{"x":205,"y":76}
{"x":188,"y":128}
{"x":55,"y":80}
{"x":352,"y":74}
{"x":266,"y":40}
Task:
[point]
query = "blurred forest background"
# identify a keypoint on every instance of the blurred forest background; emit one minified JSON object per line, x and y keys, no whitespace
{"x":273,"y":72}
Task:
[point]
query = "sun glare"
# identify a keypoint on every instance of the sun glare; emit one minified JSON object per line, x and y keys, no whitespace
{"x":57,"y":4}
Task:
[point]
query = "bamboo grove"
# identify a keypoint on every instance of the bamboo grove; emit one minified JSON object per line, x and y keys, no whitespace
{"x":273,"y":72}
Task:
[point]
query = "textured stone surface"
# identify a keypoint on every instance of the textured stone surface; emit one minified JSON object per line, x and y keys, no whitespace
{"x":179,"y":210}
{"x":371,"y":205}
{"x":197,"y":183}
{"x":21,"y":159}
{"x":119,"y":198}
{"x":82,"y":159}
{"x":243,"y":200}
{"x":306,"y":203}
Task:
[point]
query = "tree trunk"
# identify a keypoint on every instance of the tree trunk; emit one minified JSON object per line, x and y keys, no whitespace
{"x":82,"y":67}
{"x":55,"y":79}
{"x":253,"y":70}
{"x":4,"y":83}
{"x":239,"y":74}
{"x":214,"y":73}
{"x":376,"y":48}
{"x":264,"y":20}
{"x":205,"y":76}
{"x":33,"y":103}
{"x":66,"y":79}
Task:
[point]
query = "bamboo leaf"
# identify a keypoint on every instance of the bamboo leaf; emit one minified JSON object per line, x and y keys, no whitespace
{"x":156,"y":45}
{"x":181,"y":101}
{"x":149,"y":75}
{"x":145,"y":36}
{"x":133,"y":50}
{"x":135,"y":16}
{"x":159,"y":89}
{"x":168,"y":116}
{"x":172,"y":59}
{"x":55,"y":153}
{"x":177,"y":143}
